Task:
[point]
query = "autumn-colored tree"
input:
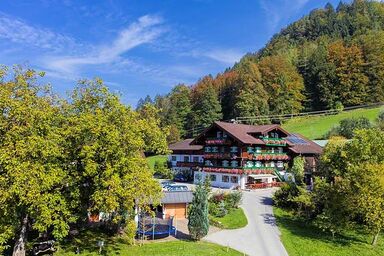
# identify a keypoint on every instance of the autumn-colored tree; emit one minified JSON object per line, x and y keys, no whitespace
{"x":251,"y":99}
{"x":372,"y":45}
{"x":350,"y":88}
{"x":179,"y":109}
{"x":228,"y":87}
{"x":283,"y":83}
{"x":206,"y":106}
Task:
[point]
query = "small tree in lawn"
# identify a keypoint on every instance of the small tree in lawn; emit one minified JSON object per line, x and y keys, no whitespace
{"x":298,"y":169}
{"x":198,"y":223}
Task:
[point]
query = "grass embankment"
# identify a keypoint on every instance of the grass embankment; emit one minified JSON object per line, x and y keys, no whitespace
{"x":152,"y":159}
{"x":316,"y":127}
{"x":116,"y":246}
{"x":300,"y":238}
{"x":233,"y":220}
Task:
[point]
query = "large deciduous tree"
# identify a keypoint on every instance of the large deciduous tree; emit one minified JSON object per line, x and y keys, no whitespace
{"x":252,"y":99}
{"x":32,"y":179}
{"x":355,"y":170}
{"x":61,"y":160}
{"x":283,"y":83}
{"x":104,"y":152}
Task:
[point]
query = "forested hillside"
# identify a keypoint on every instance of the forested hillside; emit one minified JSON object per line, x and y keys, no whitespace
{"x":331,"y":58}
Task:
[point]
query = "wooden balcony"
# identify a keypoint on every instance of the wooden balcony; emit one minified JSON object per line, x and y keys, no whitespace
{"x":188,"y":164}
{"x":220,"y":156}
{"x":240,"y":170}
{"x":274,"y":141}
{"x":263,"y":185}
{"x":217,"y":141}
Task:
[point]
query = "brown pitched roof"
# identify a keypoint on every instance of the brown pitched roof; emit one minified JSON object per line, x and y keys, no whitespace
{"x":185,"y":145}
{"x":243,"y":132}
{"x":301,"y":145}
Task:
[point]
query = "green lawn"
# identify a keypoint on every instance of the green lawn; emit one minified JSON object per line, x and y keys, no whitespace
{"x":152,"y":159}
{"x":317,"y":127}
{"x":171,"y":248}
{"x":233,"y":220}
{"x":303,"y":239}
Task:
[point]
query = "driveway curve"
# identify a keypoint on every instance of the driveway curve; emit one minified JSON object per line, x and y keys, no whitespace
{"x":260,"y":237}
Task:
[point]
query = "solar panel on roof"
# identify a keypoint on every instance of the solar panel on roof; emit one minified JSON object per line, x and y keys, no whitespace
{"x":296,"y":140}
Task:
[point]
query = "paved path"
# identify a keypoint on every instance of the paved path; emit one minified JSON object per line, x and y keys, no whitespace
{"x":261,"y":236}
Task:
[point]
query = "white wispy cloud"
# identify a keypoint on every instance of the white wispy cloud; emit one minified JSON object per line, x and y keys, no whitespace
{"x":144,"y":30}
{"x":18,"y":31}
{"x":279,"y":10}
{"x":226,"y":56}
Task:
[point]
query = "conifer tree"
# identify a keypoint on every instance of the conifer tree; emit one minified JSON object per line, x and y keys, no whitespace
{"x":198,"y":223}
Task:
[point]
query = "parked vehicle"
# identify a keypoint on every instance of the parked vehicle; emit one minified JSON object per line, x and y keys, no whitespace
{"x":177,"y":188}
{"x":180,"y":178}
{"x":165,"y":184}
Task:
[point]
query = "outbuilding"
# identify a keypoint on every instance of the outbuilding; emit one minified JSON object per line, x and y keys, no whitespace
{"x":175,"y":204}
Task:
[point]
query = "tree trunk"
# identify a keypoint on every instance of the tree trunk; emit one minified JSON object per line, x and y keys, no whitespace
{"x":19,"y":249}
{"x":375,"y":238}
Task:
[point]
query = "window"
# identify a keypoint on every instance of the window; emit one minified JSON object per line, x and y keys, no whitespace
{"x":195,"y":159}
{"x":280,"y":164}
{"x":233,"y":149}
{"x":272,"y":150}
{"x":258,"y":149}
{"x":186,"y":159}
{"x":233,"y":163}
{"x":225,"y":178}
{"x":234,"y":179}
{"x":222,"y":149}
{"x":272,"y":164}
{"x":208,"y":149}
{"x":250,"y":150}
{"x":215,"y":149}
{"x":258,"y":164}
{"x":249,"y":164}
{"x":225,"y":163}
{"x":280,"y":149}
{"x":218,"y":134}
{"x":225,"y":135}
{"x":174,"y":158}
{"x":212,"y":177}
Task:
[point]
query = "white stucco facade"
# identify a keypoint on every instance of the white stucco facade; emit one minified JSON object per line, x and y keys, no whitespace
{"x":177,"y":160}
{"x":222,"y":180}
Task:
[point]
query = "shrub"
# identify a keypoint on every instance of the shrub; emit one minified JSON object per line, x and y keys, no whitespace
{"x":221,"y":210}
{"x":380,"y":118}
{"x":339,"y":107}
{"x":233,"y":200}
{"x":284,"y":196}
{"x":213,"y":209}
{"x":130,"y":232}
{"x":162,"y":170}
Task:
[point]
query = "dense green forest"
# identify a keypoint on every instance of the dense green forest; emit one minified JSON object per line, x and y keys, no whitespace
{"x":331,"y":58}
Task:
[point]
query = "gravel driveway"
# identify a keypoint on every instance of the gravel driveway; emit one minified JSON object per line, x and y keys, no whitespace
{"x":261,"y":236}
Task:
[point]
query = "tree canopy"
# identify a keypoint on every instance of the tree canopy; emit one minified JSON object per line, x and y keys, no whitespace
{"x":61,"y":159}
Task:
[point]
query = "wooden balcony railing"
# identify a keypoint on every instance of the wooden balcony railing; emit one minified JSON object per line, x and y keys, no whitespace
{"x":274,"y":141}
{"x":217,"y":141}
{"x":263,"y":185}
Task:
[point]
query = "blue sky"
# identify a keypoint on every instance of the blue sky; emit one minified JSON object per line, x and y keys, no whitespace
{"x":139,"y":47}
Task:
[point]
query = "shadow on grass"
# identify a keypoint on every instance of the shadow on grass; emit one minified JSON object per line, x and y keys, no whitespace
{"x":302,"y":228}
{"x":87,"y":241}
